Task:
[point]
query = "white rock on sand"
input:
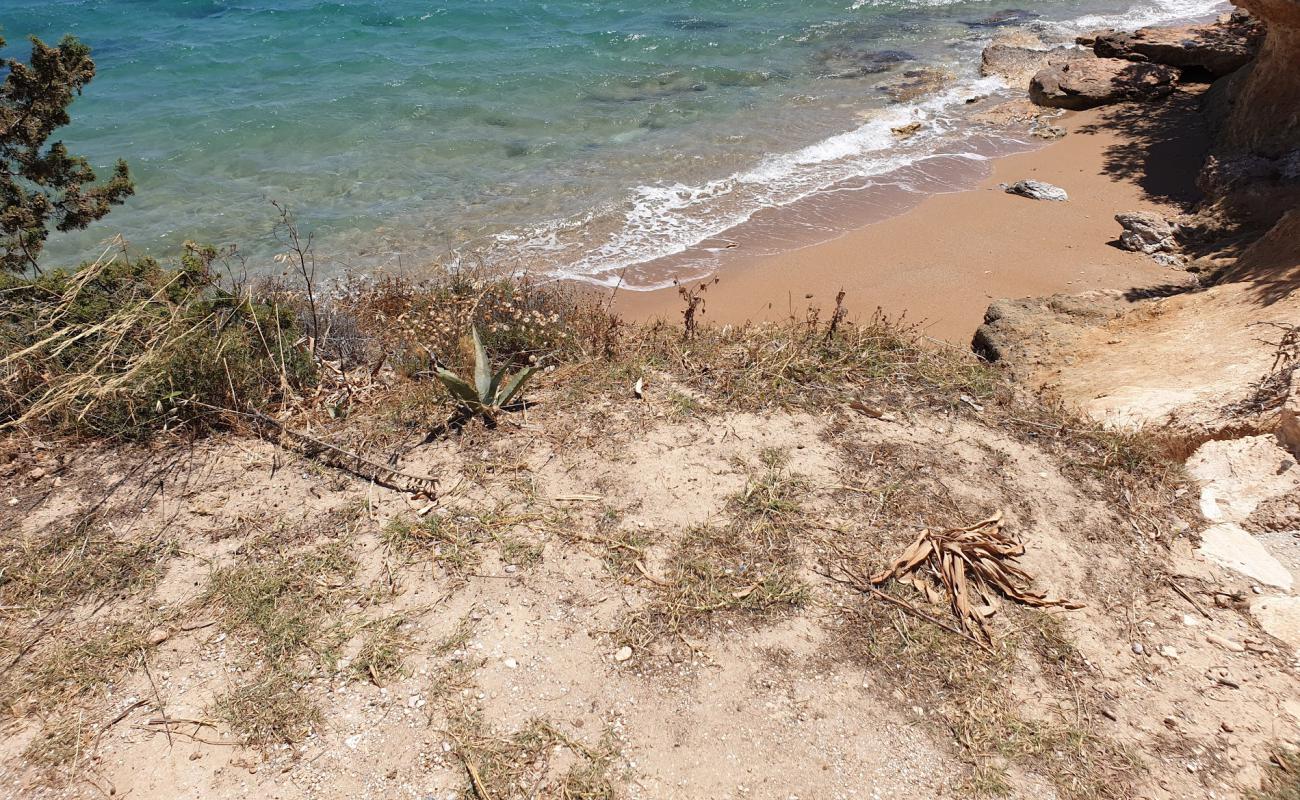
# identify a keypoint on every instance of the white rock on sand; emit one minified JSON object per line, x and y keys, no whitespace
{"x":1229,"y":545}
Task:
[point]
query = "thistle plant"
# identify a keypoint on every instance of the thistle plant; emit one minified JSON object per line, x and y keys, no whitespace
{"x":490,"y":393}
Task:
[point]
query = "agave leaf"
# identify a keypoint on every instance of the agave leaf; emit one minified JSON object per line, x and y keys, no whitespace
{"x":496,"y":385}
{"x":482,"y":369}
{"x":459,"y":389}
{"x":516,"y":383}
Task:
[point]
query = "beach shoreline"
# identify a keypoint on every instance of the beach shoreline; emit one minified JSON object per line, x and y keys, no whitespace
{"x":940,"y":262}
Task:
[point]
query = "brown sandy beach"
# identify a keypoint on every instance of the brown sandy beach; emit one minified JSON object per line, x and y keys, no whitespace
{"x":942,"y":262}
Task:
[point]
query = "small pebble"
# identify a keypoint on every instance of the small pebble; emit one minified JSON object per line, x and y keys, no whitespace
{"x":1138,"y":649}
{"x":511,"y":663}
{"x":623,"y":654}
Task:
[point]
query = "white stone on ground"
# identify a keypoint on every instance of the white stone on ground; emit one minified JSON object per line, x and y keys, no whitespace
{"x":1279,"y":617}
{"x":1230,"y":546}
{"x":1237,"y":475}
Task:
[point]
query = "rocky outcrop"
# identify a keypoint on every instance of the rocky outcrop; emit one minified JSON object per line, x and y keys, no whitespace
{"x":1289,"y":428}
{"x":1081,"y":84}
{"x":1018,"y":65}
{"x":1217,"y":49}
{"x":1027,"y":332}
{"x":1264,"y":119}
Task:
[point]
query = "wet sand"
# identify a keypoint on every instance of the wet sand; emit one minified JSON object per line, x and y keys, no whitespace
{"x":942,"y":261}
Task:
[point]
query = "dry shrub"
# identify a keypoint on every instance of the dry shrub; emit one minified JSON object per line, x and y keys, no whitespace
{"x":419,"y":325}
{"x":802,"y":363}
{"x":123,"y":347}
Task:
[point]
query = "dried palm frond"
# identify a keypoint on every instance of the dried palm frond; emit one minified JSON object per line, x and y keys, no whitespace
{"x":973,"y":567}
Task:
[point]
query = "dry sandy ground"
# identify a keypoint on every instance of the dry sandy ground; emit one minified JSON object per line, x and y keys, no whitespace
{"x":834,"y":696}
{"x":945,"y":260}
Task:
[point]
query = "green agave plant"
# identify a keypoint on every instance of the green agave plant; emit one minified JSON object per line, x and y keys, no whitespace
{"x":489,"y":393}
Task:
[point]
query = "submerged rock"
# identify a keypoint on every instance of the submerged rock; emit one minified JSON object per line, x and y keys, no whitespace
{"x":1038,"y":190}
{"x":1007,"y":16}
{"x":1084,"y":83}
{"x":916,"y":83}
{"x":850,"y":62}
{"x":1145,"y":232}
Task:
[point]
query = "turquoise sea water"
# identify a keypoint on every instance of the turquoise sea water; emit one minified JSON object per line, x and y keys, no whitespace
{"x":572,"y":136}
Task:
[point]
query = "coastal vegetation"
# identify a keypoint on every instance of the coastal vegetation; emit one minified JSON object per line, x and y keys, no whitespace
{"x":472,"y":534}
{"x":42,"y":185}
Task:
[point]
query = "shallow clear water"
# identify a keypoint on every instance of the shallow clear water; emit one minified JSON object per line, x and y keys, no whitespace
{"x":571,"y":136}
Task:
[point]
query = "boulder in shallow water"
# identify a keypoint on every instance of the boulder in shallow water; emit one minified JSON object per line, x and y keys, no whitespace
{"x":1145,"y":232}
{"x":1085,"y":83}
{"x":1038,"y":190}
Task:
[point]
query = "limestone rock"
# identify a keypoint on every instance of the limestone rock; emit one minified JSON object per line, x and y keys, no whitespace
{"x":1217,"y":49}
{"x":1145,"y":232}
{"x":1279,"y":617}
{"x":1265,"y":115}
{"x":1085,"y":83}
{"x":1237,"y":475}
{"x":1229,"y":545}
{"x":1289,"y":430}
{"x":1018,"y":65}
{"x":1026,"y":332}
{"x":1038,"y":190}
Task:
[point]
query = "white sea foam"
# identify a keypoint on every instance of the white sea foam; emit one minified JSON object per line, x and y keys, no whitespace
{"x":663,"y":220}
{"x":1148,"y":13}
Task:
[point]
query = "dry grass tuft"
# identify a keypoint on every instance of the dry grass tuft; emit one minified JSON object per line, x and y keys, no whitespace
{"x":748,"y":566}
{"x":1281,"y":777}
{"x":538,"y":761}
{"x":383,"y":647}
{"x":285,"y":602}
{"x":967,"y":690}
{"x":802,"y":363}
{"x":123,"y":348}
{"x":281,"y":598}
{"x":453,"y":539}
{"x":270,"y":709}
{"x":68,"y":564}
